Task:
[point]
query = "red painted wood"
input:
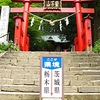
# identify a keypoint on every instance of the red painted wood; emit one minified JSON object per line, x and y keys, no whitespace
{"x":18,"y":30}
{"x":88,"y":30}
{"x":63,"y":10}
{"x":79,"y":24}
{"x":25,"y":26}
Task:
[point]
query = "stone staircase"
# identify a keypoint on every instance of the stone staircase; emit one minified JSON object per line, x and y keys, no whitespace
{"x":20,"y":75}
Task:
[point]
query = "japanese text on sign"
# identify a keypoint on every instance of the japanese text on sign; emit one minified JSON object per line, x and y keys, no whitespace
{"x":56,"y":82}
{"x":4,"y":23}
{"x":51,"y":63}
{"x":51,"y":77}
{"x":52,"y":4}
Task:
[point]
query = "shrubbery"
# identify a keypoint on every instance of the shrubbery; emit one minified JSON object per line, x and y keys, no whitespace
{"x":96,"y":47}
{"x":9,"y":46}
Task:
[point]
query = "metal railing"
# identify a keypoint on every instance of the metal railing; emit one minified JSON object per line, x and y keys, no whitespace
{"x":4,"y":35}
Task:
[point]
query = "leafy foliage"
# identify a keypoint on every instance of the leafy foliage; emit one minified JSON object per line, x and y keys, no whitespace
{"x":96,"y":47}
{"x":4,"y":47}
{"x":4,"y":2}
{"x":36,"y":41}
{"x":9,"y":46}
{"x":97,"y":5}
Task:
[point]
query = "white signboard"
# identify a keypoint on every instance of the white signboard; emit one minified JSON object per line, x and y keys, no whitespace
{"x":4,"y":24}
{"x":51,"y":77}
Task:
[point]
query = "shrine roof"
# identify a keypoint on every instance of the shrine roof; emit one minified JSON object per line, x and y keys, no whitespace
{"x":55,"y":38}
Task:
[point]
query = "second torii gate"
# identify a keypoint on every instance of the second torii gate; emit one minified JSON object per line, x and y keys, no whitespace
{"x":82,"y":40}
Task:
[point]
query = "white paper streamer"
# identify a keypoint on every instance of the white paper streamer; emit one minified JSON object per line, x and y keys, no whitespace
{"x":41,"y":21}
{"x":32,"y":21}
{"x":67,"y":21}
{"x":60,"y":26}
{"x":40,"y":24}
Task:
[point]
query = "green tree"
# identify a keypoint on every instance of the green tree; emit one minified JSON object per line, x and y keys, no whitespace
{"x":96,"y":47}
{"x":96,"y":17}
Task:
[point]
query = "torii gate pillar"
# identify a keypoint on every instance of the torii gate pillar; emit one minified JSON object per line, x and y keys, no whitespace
{"x":79,"y":24}
{"x":88,"y":35}
{"x":24,"y":44}
{"x":18,"y":30}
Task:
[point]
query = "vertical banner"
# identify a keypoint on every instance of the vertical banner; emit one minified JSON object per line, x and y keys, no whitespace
{"x":51,"y":77}
{"x":4,"y":24}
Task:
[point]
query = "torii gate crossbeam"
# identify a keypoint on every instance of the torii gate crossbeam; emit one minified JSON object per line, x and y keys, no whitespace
{"x":42,"y":10}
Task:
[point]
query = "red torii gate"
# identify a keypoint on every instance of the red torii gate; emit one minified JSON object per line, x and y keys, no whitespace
{"x":83,"y":39}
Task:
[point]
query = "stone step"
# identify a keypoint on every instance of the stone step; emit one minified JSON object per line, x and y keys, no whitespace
{"x":72,"y":76}
{"x":81,"y":83}
{"x":82,"y":72}
{"x":7,"y":81}
{"x":95,"y":82}
{"x":30,"y":69}
{"x":29,"y":73}
{"x":85,"y":59}
{"x":36,"y":96}
{"x":33,"y":88}
{"x":37,"y":68}
{"x":84,"y":80}
{"x":69,"y":59}
{"x":88,"y":77}
{"x":20,"y":88}
{"x":36,"y":82}
{"x":81,"y":64}
{"x":22,"y":69}
{"x":39,"y":54}
{"x":33,"y":58}
{"x":89,"y":89}
{"x":83,"y":68}
{"x":19,"y":96}
{"x":91,"y":72}
{"x":33,"y":64}
{"x":8,"y":74}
